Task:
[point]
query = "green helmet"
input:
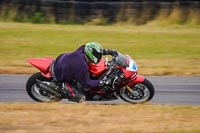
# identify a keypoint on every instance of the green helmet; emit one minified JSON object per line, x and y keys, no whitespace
{"x":94,"y":51}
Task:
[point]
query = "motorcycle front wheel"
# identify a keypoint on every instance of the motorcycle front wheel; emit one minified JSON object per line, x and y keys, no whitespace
{"x":141,"y":92}
{"x":36,"y":93}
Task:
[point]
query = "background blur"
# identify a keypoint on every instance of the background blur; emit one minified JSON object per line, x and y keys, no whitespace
{"x":98,"y":12}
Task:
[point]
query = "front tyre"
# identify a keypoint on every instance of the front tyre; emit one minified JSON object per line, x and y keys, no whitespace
{"x":35,"y":92}
{"x":142,"y":92}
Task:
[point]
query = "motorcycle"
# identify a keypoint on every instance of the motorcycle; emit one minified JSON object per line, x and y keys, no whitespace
{"x":120,"y":74}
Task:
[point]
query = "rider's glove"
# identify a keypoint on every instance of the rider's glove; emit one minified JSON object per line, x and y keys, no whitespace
{"x":114,"y":53}
{"x":110,"y":52}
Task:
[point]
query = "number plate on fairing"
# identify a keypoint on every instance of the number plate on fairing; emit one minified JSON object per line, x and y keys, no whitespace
{"x":132,"y":66}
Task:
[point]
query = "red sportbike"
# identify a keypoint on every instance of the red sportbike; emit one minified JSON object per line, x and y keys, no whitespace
{"x":120,"y":73}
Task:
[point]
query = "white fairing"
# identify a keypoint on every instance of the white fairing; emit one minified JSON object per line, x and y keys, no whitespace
{"x":132,"y":66}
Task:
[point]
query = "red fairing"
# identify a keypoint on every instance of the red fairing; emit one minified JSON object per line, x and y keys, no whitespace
{"x":97,"y":69}
{"x":137,"y":79}
{"x":43,"y":64}
{"x":128,"y":74}
{"x":129,"y":71}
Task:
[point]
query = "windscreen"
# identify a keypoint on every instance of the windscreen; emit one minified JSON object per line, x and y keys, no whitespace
{"x":122,"y":60}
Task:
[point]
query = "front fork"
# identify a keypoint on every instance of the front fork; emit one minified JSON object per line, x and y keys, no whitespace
{"x":129,"y":89}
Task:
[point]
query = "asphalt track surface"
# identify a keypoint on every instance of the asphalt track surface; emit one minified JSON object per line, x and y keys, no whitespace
{"x":169,"y":90}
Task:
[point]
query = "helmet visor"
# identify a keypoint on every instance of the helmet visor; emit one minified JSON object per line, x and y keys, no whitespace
{"x":97,"y":56}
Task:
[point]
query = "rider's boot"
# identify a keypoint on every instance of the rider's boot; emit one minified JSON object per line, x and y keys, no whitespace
{"x":74,"y":94}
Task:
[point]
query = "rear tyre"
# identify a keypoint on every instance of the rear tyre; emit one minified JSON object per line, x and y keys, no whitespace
{"x":142,"y":92}
{"x":35,"y":92}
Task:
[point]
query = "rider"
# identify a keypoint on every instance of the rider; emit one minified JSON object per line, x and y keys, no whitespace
{"x":74,"y":66}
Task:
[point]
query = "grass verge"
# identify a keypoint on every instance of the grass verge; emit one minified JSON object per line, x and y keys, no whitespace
{"x":84,"y":118}
{"x":169,"y":50}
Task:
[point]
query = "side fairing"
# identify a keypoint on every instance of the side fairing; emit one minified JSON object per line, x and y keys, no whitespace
{"x":97,"y":69}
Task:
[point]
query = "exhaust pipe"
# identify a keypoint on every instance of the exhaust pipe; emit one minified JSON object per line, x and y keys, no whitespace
{"x":46,"y":88}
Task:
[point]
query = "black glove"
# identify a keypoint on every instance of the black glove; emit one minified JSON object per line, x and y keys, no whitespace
{"x":114,"y":53}
{"x":110,"y":52}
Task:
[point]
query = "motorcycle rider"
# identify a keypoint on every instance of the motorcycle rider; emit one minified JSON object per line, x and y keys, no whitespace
{"x":74,"y":66}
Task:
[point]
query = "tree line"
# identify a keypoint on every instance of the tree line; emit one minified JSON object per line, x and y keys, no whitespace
{"x":99,"y":12}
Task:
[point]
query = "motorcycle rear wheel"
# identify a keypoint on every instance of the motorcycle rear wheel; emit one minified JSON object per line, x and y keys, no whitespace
{"x":36,"y":93}
{"x":142,"y":93}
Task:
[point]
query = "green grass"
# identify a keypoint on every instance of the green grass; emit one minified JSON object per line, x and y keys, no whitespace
{"x":169,"y":50}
